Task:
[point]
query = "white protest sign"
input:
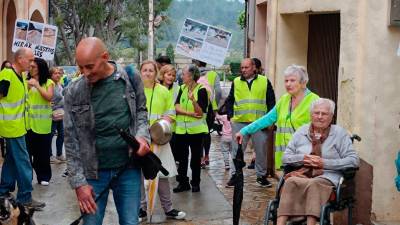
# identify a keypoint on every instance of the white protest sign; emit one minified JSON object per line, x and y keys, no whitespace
{"x":203,"y":42}
{"x":40,"y":37}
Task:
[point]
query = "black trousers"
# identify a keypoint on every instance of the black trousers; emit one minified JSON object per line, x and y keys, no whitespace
{"x":207,"y":143}
{"x":174,"y":149}
{"x":195,"y":143}
{"x":38,"y":148}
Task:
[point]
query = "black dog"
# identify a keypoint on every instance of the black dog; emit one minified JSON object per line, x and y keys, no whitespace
{"x":13,"y":213}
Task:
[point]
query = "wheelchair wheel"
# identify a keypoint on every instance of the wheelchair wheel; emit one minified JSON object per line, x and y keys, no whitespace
{"x":271,"y":212}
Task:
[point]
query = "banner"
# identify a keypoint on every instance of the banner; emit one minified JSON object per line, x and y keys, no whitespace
{"x":203,"y":42}
{"x":40,"y":37}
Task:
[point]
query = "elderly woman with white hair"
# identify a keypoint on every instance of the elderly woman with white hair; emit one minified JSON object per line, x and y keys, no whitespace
{"x":290,"y":113}
{"x":321,"y":150}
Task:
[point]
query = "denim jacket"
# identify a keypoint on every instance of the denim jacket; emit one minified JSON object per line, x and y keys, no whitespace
{"x":79,"y":125}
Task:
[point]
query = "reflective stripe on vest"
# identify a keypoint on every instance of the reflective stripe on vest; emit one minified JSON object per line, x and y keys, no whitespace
{"x":188,"y":124}
{"x":250,"y":104}
{"x":14,"y":104}
{"x":287,"y":122}
{"x":13,"y":107}
{"x":40,"y":110}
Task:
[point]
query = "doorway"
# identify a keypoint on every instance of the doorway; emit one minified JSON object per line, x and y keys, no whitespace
{"x":323,"y":55}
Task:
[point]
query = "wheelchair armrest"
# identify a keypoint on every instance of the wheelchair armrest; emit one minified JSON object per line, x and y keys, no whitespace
{"x":344,"y":182}
{"x":349,"y":173}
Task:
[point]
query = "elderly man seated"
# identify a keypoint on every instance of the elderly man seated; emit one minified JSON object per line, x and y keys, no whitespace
{"x":323,"y":150}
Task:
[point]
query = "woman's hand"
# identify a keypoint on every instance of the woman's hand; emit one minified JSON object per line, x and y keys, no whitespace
{"x":33,"y":83}
{"x":313,"y":161}
{"x":195,"y":115}
{"x":239,"y":138}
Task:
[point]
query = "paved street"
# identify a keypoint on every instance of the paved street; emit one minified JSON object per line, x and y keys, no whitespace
{"x":213,"y":205}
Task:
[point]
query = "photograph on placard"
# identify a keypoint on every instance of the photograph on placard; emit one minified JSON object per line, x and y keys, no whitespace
{"x":49,"y":36}
{"x":194,"y":29}
{"x":218,"y":37}
{"x":35,"y":31}
{"x":21,"y":29}
{"x":188,"y":45}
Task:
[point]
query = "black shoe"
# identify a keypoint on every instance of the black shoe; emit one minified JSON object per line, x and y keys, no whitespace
{"x":263,"y":182}
{"x":142,"y":215}
{"x":175,"y":214}
{"x":195,"y":188}
{"x":231,"y":182}
{"x":33,"y":204}
{"x":181,"y":188}
{"x":252,"y":165}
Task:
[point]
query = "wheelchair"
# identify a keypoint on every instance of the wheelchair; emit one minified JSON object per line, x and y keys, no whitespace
{"x":342,"y":197}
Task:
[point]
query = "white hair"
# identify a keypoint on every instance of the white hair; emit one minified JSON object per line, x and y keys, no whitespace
{"x":297,"y":70}
{"x":323,"y":101}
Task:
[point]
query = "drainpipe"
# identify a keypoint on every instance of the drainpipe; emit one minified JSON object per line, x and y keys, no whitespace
{"x":245,"y":30}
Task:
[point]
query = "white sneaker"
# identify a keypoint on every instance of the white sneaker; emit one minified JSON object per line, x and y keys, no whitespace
{"x":61,"y":158}
{"x":44,"y":183}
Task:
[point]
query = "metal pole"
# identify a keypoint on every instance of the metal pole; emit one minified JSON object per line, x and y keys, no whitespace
{"x":150,"y":49}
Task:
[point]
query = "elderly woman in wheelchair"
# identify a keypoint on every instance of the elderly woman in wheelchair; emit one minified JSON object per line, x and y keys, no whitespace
{"x":319,"y":151}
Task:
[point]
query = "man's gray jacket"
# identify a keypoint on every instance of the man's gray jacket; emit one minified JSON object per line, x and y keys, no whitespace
{"x":79,"y":125}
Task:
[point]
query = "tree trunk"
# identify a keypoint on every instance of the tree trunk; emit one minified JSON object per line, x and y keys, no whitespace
{"x":63,"y":36}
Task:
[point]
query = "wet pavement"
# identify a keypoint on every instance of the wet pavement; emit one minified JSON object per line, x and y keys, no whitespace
{"x":213,"y":205}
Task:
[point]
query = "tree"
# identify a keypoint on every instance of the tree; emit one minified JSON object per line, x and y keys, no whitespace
{"x":113,"y":21}
{"x":241,"y":20}
{"x":170,"y":53}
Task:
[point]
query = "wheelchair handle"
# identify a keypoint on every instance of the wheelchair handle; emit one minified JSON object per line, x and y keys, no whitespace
{"x":355,"y":137}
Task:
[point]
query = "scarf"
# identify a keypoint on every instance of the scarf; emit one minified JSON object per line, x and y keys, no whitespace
{"x":317,"y":139}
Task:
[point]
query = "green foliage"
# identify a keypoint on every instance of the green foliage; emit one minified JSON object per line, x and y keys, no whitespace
{"x":170,"y":52}
{"x":241,"y":20}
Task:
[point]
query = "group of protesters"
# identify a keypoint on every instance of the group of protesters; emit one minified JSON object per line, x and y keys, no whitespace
{"x":31,"y":112}
{"x":35,"y":105}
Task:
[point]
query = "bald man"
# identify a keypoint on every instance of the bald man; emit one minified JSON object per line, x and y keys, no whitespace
{"x":16,"y":167}
{"x":251,"y":97}
{"x":94,"y":104}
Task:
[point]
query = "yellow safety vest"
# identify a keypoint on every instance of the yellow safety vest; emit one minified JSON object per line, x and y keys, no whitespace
{"x":160,"y":105}
{"x":250,"y":104}
{"x":211,"y":76}
{"x":13,"y":107}
{"x":173,"y":94}
{"x":287,"y":122}
{"x":187,"y":124}
{"x":40,"y":110}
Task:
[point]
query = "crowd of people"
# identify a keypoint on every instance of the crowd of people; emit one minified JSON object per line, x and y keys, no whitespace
{"x":37,"y":104}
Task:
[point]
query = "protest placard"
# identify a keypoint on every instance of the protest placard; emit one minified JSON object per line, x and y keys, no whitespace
{"x":203,"y":42}
{"x":40,"y":37}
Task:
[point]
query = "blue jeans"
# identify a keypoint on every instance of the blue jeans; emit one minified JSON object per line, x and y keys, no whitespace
{"x":17,"y":168}
{"x":126,"y":193}
{"x":58,"y":125}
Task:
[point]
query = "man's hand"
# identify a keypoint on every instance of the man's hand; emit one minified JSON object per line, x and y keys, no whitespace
{"x":143,"y":148}
{"x":313,"y":161}
{"x":86,"y":195}
{"x":239,"y":138}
